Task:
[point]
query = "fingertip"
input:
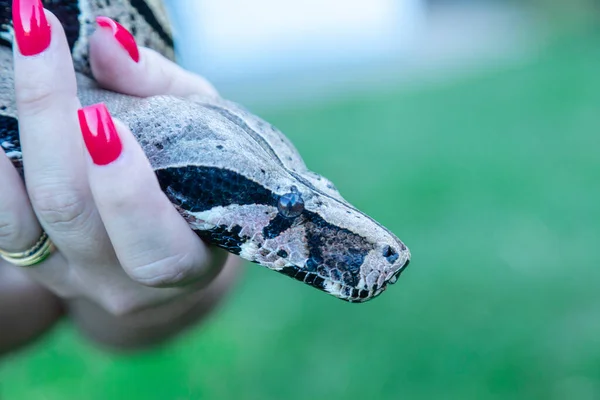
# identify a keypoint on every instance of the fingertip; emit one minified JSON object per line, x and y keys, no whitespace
{"x":100,"y":135}
{"x":43,"y":77}
{"x":32,"y":30}
{"x":111,"y":65}
{"x":42,"y":34}
{"x":120,"y":35}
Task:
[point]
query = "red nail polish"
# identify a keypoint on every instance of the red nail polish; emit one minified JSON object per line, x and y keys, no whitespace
{"x":32,"y":30}
{"x":99,"y":134}
{"x":122,"y":35}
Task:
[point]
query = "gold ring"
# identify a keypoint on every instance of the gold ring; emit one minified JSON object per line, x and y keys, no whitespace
{"x":32,"y":256}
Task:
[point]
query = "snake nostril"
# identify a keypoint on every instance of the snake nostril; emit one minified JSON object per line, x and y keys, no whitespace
{"x":396,"y":275}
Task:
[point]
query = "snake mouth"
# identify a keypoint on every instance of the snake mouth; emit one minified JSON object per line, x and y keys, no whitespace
{"x":336,"y":288}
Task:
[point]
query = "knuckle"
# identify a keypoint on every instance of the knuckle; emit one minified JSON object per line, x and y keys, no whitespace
{"x":165,"y":272}
{"x":34,"y":98}
{"x":9,"y":230}
{"x":59,"y":208}
{"x":116,"y":303}
{"x":14,"y":234}
{"x":129,"y":303}
{"x":120,"y":306}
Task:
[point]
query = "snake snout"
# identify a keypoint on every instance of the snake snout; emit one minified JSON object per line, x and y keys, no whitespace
{"x":397,"y":274}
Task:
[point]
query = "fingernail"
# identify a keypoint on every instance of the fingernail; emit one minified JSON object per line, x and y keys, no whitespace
{"x":32,"y":30}
{"x":99,"y":134}
{"x":122,"y":35}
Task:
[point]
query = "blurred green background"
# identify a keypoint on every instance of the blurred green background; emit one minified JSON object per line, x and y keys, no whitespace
{"x":492,"y":180}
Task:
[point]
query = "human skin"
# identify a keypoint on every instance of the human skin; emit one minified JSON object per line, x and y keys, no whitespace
{"x":128,"y":269}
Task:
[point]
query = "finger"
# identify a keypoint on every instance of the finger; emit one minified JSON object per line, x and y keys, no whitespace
{"x":154,"y":244}
{"x":19,"y":228}
{"x":120,"y":65}
{"x":47,"y":103}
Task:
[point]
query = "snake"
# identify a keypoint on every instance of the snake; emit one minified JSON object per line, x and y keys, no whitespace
{"x":239,"y":182}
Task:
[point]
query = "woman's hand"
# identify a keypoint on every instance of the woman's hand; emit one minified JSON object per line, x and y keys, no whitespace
{"x":122,"y":246}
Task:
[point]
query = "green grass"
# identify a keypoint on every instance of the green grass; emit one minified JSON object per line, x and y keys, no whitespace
{"x":494,"y":184}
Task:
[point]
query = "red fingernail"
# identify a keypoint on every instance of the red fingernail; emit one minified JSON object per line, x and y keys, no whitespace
{"x":32,"y":30}
{"x":123,"y":36}
{"x":99,"y":134}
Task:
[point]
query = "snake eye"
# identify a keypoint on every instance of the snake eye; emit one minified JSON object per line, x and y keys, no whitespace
{"x":290,"y":205}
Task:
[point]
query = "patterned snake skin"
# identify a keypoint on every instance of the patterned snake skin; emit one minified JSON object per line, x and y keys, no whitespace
{"x":237,"y":180}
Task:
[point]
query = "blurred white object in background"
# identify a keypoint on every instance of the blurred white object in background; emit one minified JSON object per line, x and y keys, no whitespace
{"x":271,"y":51}
{"x":243,"y":39}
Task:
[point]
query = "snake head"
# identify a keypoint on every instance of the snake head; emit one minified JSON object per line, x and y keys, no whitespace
{"x":291,"y":227}
{"x":339,"y":249}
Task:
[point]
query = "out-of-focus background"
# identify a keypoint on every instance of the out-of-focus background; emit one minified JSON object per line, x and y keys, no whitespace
{"x":471,"y":130}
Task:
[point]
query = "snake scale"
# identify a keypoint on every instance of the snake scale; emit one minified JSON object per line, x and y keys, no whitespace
{"x":238,"y":181}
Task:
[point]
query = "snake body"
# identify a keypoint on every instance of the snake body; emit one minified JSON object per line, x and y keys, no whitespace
{"x":238,"y":181}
